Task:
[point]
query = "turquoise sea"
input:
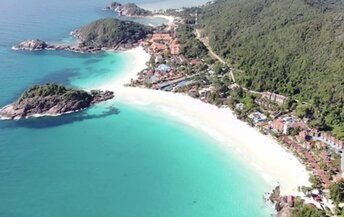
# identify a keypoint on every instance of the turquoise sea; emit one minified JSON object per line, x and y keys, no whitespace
{"x":113,"y":160}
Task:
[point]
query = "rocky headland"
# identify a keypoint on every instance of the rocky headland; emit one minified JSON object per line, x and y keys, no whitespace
{"x":100,"y":35}
{"x":112,"y":34}
{"x":282,"y":204}
{"x":52,"y":100}
{"x":39,"y":45}
{"x":128,"y":10}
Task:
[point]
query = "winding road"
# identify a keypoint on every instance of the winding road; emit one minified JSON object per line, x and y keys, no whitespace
{"x":205,"y":41}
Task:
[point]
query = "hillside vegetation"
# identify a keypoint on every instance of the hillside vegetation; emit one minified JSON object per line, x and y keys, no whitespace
{"x":111,"y":32}
{"x":55,"y":90}
{"x":292,"y":47}
{"x":191,"y":47}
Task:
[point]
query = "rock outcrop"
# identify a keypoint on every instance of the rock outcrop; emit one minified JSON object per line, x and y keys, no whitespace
{"x":32,"y":45}
{"x":52,"y":100}
{"x":282,"y":204}
{"x":39,"y":45}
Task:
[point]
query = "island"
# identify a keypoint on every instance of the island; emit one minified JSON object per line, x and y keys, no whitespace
{"x":52,"y":100}
{"x":128,"y":10}
{"x":100,"y":35}
{"x":31,"y":45}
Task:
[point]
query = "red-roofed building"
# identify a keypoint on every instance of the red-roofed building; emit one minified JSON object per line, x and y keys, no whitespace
{"x":276,"y":98}
{"x":158,"y":47}
{"x":303,"y":136}
{"x":161,"y":37}
{"x":195,"y":62}
{"x":175,"y":49}
{"x":299,"y":125}
{"x":314,"y":132}
{"x":278,"y":125}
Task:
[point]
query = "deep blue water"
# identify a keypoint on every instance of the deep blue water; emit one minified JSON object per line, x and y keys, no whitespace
{"x":110,"y":160}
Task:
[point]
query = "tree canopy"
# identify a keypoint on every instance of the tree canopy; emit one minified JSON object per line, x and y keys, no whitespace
{"x":291,"y":47}
{"x":191,"y":47}
{"x":111,"y":32}
{"x":337,"y":192}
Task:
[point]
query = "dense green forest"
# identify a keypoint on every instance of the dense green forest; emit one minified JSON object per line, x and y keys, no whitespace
{"x":191,"y":47}
{"x":111,"y":32}
{"x":55,"y":90}
{"x":291,"y":47}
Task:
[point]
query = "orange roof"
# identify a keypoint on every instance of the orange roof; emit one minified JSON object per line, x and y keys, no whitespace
{"x":175,"y":49}
{"x":157,"y":46}
{"x":159,"y":37}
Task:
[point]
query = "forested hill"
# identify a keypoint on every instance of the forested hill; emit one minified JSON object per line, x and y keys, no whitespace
{"x":292,"y":47}
{"x":109,"y":32}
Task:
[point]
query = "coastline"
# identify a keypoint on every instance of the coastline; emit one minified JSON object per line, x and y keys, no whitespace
{"x":169,"y":18}
{"x":138,"y":59}
{"x":269,"y":158}
{"x":273,"y":162}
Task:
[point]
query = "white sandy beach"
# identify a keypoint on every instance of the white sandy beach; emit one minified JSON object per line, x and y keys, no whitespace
{"x":169,"y":18}
{"x":270,"y":159}
{"x":139,"y":57}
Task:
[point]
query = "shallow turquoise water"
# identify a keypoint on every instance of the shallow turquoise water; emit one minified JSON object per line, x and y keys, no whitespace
{"x":131,"y":163}
{"x":113,"y":159}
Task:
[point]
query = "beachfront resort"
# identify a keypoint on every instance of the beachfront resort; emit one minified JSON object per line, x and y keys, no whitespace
{"x":205,"y":78}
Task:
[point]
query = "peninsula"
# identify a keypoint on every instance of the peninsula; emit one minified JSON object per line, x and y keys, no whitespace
{"x":128,"y":10}
{"x":52,"y":100}
{"x":103,"y":34}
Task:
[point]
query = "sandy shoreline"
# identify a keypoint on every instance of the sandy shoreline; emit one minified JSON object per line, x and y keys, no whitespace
{"x":138,"y":59}
{"x":169,"y":18}
{"x":269,"y":158}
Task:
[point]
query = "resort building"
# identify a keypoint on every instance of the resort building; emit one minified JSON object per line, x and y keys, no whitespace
{"x":175,"y":48}
{"x":257,"y":117}
{"x":274,"y":98}
{"x":240,"y":106}
{"x":164,"y":68}
{"x":303,"y":136}
{"x":195,"y":62}
{"x":157,"y":47}
{"x":327,"y":137}
{"x":180,"y":59}
{"x":284,"y":124}
{"x":161,"y":37}
{"x":278,"y":126}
